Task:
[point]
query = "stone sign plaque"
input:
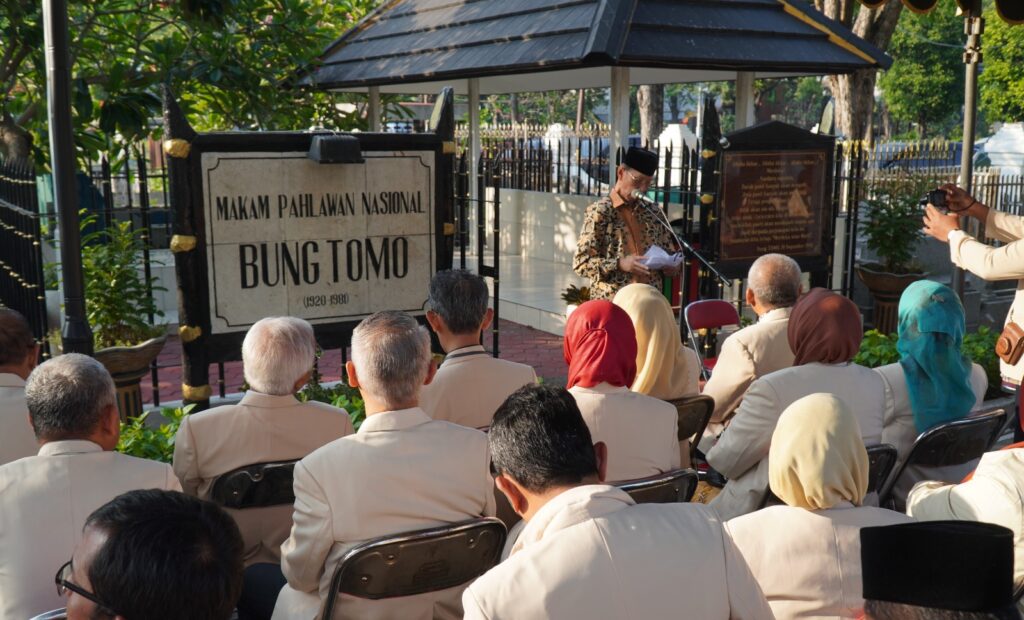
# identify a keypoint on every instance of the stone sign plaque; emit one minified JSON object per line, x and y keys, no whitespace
{"x":773,"y":201}
{"x":286,"y":235}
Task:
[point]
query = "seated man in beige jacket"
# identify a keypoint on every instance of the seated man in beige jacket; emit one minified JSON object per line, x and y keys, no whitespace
{"x":268,"y":425}
{"x":587,"y":550}
{"x":773,"y":286}
{"x":402,"y":471}
{"x":45,"y":499}
{"x":18,"y":355}
{"x":470,"y":384}
{"x":994,"y":493}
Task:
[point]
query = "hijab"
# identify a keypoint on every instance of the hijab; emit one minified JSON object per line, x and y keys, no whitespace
{"x":817,"y":457}
{"x":824,"y":327}
{"x":665,"y":368}
{"x":600,"y":345}
{"x":931,"y":332}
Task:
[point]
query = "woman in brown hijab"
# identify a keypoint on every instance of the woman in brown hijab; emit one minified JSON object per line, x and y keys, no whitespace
{"x":825,"y":333}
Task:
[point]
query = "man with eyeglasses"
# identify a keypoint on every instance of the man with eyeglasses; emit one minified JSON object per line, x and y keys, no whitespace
{"x":268,"y":425}
{"x":154,"y":555}
{"x":44,"y":499}
{"x":620,"y":228}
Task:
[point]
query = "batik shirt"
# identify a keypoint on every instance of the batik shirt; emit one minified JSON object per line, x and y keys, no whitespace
{"x":605,"y":239}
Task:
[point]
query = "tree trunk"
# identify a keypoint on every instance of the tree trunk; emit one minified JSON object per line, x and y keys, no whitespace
{"x":650,"y":101}
{"x":854,"y":94}
{"x":514,"y":105}
{"x":15,"y":141}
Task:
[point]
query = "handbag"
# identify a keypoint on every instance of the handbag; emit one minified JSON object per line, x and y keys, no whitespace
{"x":1010,"y":345}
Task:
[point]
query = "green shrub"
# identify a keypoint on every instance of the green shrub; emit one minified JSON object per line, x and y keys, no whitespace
{"x":157,"y":444}
{"x":877,"y":349}
{"x":340,"y":395}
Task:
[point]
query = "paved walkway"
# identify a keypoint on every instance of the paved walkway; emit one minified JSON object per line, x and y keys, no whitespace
{"x":517,"y":342}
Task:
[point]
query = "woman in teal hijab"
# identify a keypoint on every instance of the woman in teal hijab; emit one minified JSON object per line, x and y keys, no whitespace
{"x":931,"y":332}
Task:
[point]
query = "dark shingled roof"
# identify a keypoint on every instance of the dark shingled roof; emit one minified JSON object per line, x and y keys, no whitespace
{"x":417,"y":41}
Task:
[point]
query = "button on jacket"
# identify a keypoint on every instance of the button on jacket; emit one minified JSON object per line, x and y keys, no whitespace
{"x":259,"y":429}
{"x":44,"y":501}
{"x":470,"y":385}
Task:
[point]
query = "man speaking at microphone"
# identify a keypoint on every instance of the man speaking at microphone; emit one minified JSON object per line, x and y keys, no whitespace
{"x":621,"y":228}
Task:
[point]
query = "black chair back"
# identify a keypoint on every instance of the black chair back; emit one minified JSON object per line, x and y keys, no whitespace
{"x":417,"y":562}
{"x":255,"y":486}
{"x":694,"y":414}
{"x":881,"y":460}
{"x":670,"y":487}
{"x":952,"y":443}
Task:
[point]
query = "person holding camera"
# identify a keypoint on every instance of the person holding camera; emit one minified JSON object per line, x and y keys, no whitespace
{"x":942,"y":221}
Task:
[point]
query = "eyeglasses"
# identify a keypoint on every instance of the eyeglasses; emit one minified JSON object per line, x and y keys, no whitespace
{"x":63,"y":581}
{"x":640,"y":181}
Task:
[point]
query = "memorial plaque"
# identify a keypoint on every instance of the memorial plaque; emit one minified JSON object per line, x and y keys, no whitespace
{"x":289,"y":236}
{"x":773,"y":202}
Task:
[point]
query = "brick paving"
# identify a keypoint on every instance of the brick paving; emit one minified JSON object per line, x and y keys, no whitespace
{"x":518,"y":343}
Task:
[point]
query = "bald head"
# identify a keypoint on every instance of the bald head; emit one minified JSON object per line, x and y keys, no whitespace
{"x":17,"y":346}
{"x":774,"y":281}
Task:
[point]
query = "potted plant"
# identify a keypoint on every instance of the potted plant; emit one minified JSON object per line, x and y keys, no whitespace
{"x":573,"y":296}
{"x":119,"y":306}
{"x":891,"y":225}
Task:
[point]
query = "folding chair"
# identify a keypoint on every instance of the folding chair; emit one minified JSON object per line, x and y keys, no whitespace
{"x":670,"y":487}
{"x":417,"y":562}
{"x":694,"y":414}
{"x":952,"y":443}
{"x":708,"y":314}
{"x":255,"y":486}
{"x":881,"y":460}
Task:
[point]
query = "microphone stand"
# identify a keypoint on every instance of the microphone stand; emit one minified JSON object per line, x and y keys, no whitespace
{"x":683,"y":245}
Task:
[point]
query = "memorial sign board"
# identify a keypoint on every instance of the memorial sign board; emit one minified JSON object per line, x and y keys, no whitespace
{"x":775,"y":196}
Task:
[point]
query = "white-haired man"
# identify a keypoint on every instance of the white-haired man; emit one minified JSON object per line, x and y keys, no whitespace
{"x":773,"y":286}
{"x":470,"y":384}
{"x":269,"y":424}
{"x":401,"y":471}
{"x":46,"y":498}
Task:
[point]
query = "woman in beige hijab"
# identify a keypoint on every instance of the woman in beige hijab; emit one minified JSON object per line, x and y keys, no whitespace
{"x":806,"y":553}
{"x":665,"y":369}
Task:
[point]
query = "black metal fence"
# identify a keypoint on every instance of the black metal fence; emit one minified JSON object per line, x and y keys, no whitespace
{"x":22,"y":279}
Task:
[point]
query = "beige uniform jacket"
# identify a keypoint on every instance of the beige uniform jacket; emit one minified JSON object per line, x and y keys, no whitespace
{"x":44,"y":501}
{"x":470,"y":386}
{"x":741,"y":453}
{"x":752,"y":352}
{"x":401,"y":471}
{"x":1003,"y":263}
{"x":16,"y":437}
{"x":641,"y":432}
{"x":807,"y":562}
{"x":592,"y":553}
{"x":901,"y":433}
{"x":259,"y":429}
{"x":995,"y":494}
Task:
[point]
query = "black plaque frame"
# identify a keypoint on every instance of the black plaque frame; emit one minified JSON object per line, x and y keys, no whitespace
{"x":185,"y":148}
{"x":775,"y":136}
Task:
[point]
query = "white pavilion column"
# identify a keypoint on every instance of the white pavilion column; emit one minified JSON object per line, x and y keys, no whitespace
{"x":373,"y":108}
{"x":744,"y":99}
{"x":618,"y":117}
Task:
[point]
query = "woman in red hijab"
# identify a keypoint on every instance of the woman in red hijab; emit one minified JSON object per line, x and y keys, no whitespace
{"x":640,"y":431}
{"x":824,"y":333}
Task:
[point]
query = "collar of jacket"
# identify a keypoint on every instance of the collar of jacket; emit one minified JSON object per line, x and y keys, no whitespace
{"x":397,"y":420}
{"x":602,"y":388}
{"x":68,"y":446}
{"x":253,"y":398}
{"x":569,"y":508}
{"x":463,"y":354}
{"x":9,"y":379}
{"x":775,"y":314}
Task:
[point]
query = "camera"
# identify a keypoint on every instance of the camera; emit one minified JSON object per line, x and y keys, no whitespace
{"x":936,"y":197}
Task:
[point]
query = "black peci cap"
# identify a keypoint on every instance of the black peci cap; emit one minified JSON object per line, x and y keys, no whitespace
{"x":955,"y":565}
{"x":643,"y":161}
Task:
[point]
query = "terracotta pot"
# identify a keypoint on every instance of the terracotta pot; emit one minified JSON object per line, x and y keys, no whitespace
{"x":127,"y":365}
{"x":886,"y":289}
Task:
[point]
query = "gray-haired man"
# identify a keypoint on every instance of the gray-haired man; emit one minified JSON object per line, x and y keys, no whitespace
{"x":470,"y":384}
{"x":47,"y":497}
{"x":401,"y":471}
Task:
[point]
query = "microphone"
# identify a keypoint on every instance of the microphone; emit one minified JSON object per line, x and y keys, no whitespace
{"x":642,"y":197}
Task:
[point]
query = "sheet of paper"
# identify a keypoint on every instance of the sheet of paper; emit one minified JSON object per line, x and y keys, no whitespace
{"x":657,"y":258}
